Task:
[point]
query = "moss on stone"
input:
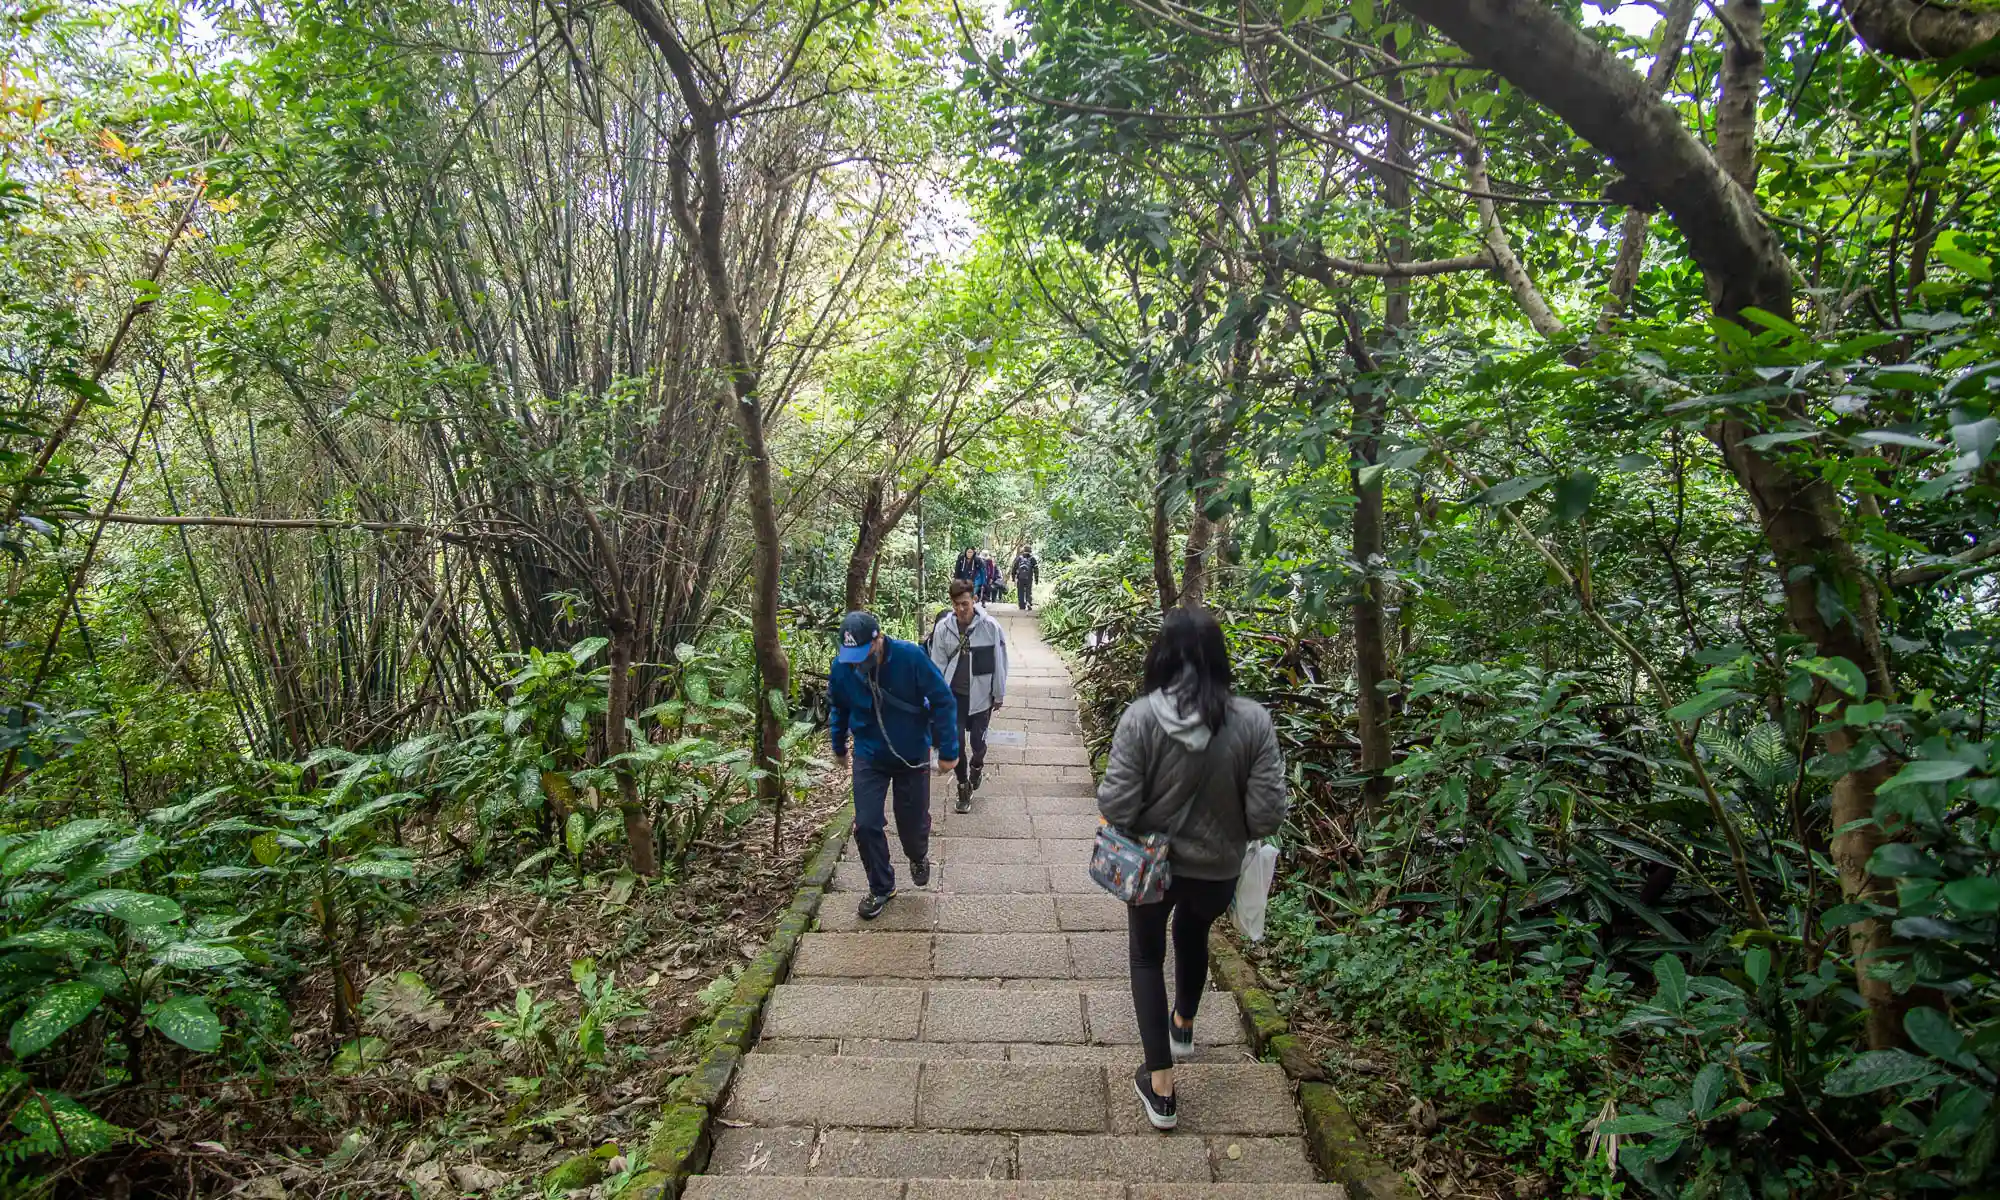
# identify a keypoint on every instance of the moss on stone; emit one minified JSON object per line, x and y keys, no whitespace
{"x":1293,"y":1055}
{"x":710,"y":1077}
{"x":1342,"y":1152}
{"x":646,"y":1185}
{"x":583,"y":1170}
{"x":678,"y":1145}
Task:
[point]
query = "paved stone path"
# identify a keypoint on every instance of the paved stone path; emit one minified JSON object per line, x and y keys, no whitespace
{"x":976,"y":1041}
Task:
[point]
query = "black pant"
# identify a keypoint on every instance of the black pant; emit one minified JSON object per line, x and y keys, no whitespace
{"x":872,"y":784}
{"x":1200,"y":902}
{"x":1025,"y":590}
{"x":971,"y":738}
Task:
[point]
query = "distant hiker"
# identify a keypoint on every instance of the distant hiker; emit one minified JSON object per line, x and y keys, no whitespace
{"x":963,"y":568}
{"x":980,"y":576}
{"x":1027,"y":572}
{"x":896,"y":705}
{"x":970,"y":649}
{"x":1202,"y":765}
{"x":992,"y":570}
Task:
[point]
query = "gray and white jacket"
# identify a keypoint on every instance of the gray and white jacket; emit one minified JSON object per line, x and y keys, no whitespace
{"x":987,"y":643}
{"x":1162,"y":761}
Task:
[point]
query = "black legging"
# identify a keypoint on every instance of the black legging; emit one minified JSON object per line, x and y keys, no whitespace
{"x":1200,"y":902}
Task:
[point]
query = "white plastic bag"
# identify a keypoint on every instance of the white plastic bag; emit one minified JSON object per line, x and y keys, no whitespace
{"x":1253,"y":888}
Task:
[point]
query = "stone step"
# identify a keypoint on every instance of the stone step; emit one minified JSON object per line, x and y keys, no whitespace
{"x":1071,"y":877}
{"x":952,"y":848}
{"x":926,"y":912}
{"x":779,"y":1187}
{"x":802,"y":1151}
{"x":1123,"y":1057}
{"x":1078,"y":1016}
{"x":918,"y":955}
{"x":1249,"y":1099}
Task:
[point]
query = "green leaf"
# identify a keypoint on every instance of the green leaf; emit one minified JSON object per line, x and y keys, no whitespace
{"x":1933,"y":1033}
{"x":198,"y":956}
{"x":379,"y":868}
{"x":51,"y":848}
{"x":1707,"y":702}
{"x":1764,"y":441}
{"x":1889,"y":437}
{"x":57,"y":940}
{"x":1975,"y":894}
{"x":1866,"y":714}
{"x":1875,"y":1070}
{"x":1643,"y":1123}
{"x":1708,"y":1089}
{"x":133,"y":908}
{"x":360,"y":1054}
{"x":54,"y":1013}
{"x":1925,"y":770}
{"x":1757,"y":965}
{"x":1573,"y":494}
{"x":587,"y":649}
{"x":1840,"y":672}
{"x":1979,"y":93}
{"x":1671,"y":977}
{"x":189,"y":1021}
{"x":573,"y":833}
{"x":1512,"y":489}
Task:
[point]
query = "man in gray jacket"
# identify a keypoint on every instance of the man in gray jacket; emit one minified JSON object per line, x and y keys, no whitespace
{"x":970,"y":648}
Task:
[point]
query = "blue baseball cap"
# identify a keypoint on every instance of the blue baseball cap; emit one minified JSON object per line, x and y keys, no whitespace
{"x":857,"y":636}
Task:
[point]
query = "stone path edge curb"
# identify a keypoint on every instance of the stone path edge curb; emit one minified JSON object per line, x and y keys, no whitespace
{"x":1337,"y":1142}
{"x":678,"y":1144}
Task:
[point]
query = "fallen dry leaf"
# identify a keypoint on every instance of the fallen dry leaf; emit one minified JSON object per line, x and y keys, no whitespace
{"x":475,"y":1178}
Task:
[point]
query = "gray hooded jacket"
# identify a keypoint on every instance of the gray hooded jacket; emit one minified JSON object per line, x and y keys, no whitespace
{"x":1162,"y":760}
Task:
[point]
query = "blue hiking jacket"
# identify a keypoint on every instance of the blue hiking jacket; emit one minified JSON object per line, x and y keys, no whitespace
{"x":918,"y":711}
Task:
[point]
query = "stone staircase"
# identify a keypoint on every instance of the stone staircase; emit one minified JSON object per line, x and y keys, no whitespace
{"x":976,"y":1041}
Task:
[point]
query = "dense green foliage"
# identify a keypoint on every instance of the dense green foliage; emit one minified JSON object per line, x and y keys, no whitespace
{"x":1595,"y":470}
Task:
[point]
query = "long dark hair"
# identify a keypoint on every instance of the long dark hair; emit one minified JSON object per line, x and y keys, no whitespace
{"x":1189,"y":661}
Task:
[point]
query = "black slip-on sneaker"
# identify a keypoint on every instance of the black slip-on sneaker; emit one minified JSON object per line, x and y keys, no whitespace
{"x":978,"y":773}
{"x":872,"y":905}
{"x":920,"y":872}
{"x":964,"y":804}
{"x":1180,"y":1041}
{"x":1159,"y":1109}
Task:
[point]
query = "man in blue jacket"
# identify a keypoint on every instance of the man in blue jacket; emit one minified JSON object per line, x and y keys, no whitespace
{"x":894,"y":703}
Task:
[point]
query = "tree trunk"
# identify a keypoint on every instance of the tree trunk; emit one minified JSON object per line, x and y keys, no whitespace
{"x":1535,"y":48}
{"x":867,"y":542}
{"x":704,"y":225}
{"x":617,"y":741}
{"x":1163,"y":525}
{"x":1370,"y":398}
{"x":1742,"y":84}
{"x":1917,"y":29}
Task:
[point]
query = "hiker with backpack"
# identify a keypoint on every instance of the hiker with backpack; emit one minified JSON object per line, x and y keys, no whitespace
{"x":969,"y":648}
{"x":887,"y":696}
{"x":1200,"y":765}
{"x":1027,"y":572}
{"x":963,"y":568}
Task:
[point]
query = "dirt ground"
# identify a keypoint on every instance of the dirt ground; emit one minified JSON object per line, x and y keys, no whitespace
{"x":454,"y":1089}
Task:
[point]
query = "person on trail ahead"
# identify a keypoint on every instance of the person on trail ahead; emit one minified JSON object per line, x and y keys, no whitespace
{"x":1202,"y":765}
{"x":962,"y":569}
{"x":992,"y":570}
{"x":979,"y":576}
{"x":970,"y":649}
{"x":895,"y":704}
{"x":1027,"y":573}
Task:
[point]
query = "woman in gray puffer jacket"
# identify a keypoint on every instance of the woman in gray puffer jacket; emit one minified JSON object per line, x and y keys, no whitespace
{"x":1194,"y":760}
